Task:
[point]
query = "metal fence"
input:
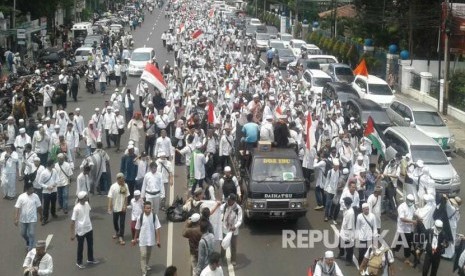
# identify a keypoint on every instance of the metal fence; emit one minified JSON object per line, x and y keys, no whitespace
{"x":415,"y":80}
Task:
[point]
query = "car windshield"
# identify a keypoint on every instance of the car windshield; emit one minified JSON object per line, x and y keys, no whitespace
{"x":140,"y":56}
{"x":80,"y":33}
{"x":343,"y":71}
{"x":320,"y":82}
{"x":286,"y":53}
{"x":432,"y":155}
{"x":82,"y":53}
{"x":380,"y":117}
{"x":262,"y":36}
{"x":277,"y":45}
{"x":276,"y":169}
{"x":428,"y":118}
{"x":298,"y":44}
{"x":286,"y":37}
{"x":380,"y":89}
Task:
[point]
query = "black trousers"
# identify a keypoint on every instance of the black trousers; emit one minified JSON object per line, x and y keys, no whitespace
{"x":131,"y":185}
{"x":43,"y":158}
{"x":119,"y":219}
{"x":107,"y":137}
{"x":431,"y":261}
{"x":50,"y":203}
{"x":346,"y":250}
{"x":149,"y":144}
{"x":408,"y":239}
{"x":224,"y":161}
{"x":89,"y":237}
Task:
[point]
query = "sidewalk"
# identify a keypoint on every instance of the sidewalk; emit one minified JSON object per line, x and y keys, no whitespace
{"x":456,"y":127}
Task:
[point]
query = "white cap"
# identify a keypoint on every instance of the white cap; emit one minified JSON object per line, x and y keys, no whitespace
{"x":410,"y":197}
{"x":21,"y":120}
{"x":271,"y":98}
{"x":10,"y":118}
{"x":116,"y":90}
{"x":195,"y":217}
{"x":341,"y":131}
{"x":227,"y":169}
{"x":57,"y":126}
{"x":329,"y":254}
{"x":269,"y":117}
{"x":335,"y":162}
{"x":420,"y":163}
{"x":97,"y":109}
{"x":22,"y":130}
{"x":82,"y":194}
{"x":131,"y":142}
{"x":345,"y":171}
{"x":198,"y":145}
{"x":360,"y":157}
{"x":363,"y":148}
{"x":130,"y":147}
{"x":352,"y":118}
{"x":77,"y":109}
{"x":365,"y":205}
{"x":408,"y":155}
{"x":255,"y":95}
{"x":438,"y":223}
{"x":136,"y":193}
{"x":36,"y":159}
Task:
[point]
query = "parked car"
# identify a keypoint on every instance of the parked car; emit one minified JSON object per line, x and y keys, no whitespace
{"x":361,"y":109}
{"x":421,"y":147}
{"x":254,"y":22}
{"x":310,"y":49}
{"x":82,"y":54}
{"x":286,"y":38}
{"x":304,"y":63}
{"x":139,"y":58}
{"x":340,"y":72}
{"x":323,"y":60}
{"x":283,"y":57}
{"x":373,"y":88}
{"x":425,"y":118}
{"x":315,"y":80}
{"x":51,"y":55}
{"x":276,"y":44}
{"x":261,"y":41}
{"x":296,"y":45}
{"x":339,"y":91}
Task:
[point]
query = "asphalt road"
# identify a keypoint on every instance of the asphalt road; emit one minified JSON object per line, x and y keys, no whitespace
{"x":260,"y":248}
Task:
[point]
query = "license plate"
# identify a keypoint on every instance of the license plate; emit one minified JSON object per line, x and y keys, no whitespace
{"x":277,"y":214}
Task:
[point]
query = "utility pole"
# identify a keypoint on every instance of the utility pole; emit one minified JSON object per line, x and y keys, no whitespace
{"x":256,"y":8}
{"x":445,"y":100}
{"x":14,"y":15}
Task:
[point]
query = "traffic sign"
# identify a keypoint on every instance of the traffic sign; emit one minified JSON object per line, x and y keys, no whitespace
{"x":21,"y":33}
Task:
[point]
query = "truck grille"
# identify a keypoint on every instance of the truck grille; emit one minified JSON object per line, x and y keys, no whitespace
{"x":445,"y":181}
{"x":277,"y":204}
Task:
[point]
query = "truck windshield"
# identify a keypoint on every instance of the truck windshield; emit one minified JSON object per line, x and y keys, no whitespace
{"x":276,"y":169}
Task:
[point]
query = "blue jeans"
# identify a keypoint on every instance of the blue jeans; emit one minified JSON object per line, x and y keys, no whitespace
{"x":62,"y":193}
{"x":319,"y":195}
{"x":28,"y":233}
{"x":103,"y":86}
{"x":328,"y":204}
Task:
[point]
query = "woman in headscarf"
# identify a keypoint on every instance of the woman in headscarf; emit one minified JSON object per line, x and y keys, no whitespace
{"x":92,"y":136}
{"x":179,"y":140}
{"x":135,"y":126}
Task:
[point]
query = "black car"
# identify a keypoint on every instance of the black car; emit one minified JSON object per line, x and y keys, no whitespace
{"x":361,"y":109}
{"x":51,"y":55}
{"x":339,"y":91}
{"x":340,"y":72}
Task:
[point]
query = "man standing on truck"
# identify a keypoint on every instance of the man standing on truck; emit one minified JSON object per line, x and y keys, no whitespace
{"x":250,"y":131}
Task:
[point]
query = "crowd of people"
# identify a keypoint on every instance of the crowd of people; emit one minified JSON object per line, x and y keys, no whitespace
{"x":217,"y":101}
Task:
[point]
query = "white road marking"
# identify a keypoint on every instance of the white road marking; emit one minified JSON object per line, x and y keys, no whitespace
{"x":148,"y":38}
{"x":228,"y":259}
{"x":48,"y":240}
{"x":169,"y":251}
{"x":150,"y":33}
{"x":264,"y":62}
{"x":336,"y":232}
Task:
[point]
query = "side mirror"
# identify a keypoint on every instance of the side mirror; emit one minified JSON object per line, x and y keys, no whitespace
{"x":449,"y":158}
{"x":412,"y":125}
{"x":364,"y":90}
{"x":445,"y":121}
{"x":407,"y":119}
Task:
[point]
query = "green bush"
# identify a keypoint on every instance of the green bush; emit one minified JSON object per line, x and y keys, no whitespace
{"x":457,"y":90}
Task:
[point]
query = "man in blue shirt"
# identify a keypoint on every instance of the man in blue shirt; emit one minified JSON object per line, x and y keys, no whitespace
{"x":250,"y":131}
{"x":129,"y":169}
{"x":270,"y":56}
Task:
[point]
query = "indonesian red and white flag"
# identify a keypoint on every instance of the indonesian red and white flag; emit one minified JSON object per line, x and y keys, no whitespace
{"x":307,"y":133}
{"x":211,"y":113}
{"x":197,"y":34}
{"x":153,"y":76}
{"x":278,"y":110}
{"x":182,"y":27}
{"x":211,"y":13}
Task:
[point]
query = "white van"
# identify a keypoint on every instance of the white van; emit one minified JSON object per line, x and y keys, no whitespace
{"x":82,"y":54}
{"x":82,"y":30}
{"x":139,"y":59}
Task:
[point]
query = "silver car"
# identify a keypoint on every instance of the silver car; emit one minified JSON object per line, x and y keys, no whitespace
{"x":421,"y":147}
{"x":425,"y":118}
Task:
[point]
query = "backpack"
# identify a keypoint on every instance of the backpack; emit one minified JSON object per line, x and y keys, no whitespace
{"x":10,"y":58}
{"x":142,"y":218}
{"x":75,"y":81}
{"x":375,"y":263}
{"x":229,"y":187}
{"x":328,"y":167}
{"x":175,"y":212}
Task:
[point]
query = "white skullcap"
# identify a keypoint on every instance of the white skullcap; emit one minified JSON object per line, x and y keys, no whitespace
{"x":410,"y":197}
{"x":199,"y":145}
{"x":227,"y":169}
{"x":438,"y":223}
{"x":269,"y":117}
{"x":82,"y":194}
{"x":360,"y":157}
{"x":77,"y":109}
{"x":329,"y":254}
{"x":97,"y":109}
{"x":195,"y":217}
{"x":335,"y":162}
{"x":365,"y":205}
{"x":130,"y":147}
{"x":345,"y":171}
{"x":136,"y":193}
{"x":363,"y":148}
{"x":420,"y":163}
{"x":22,"y":130}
